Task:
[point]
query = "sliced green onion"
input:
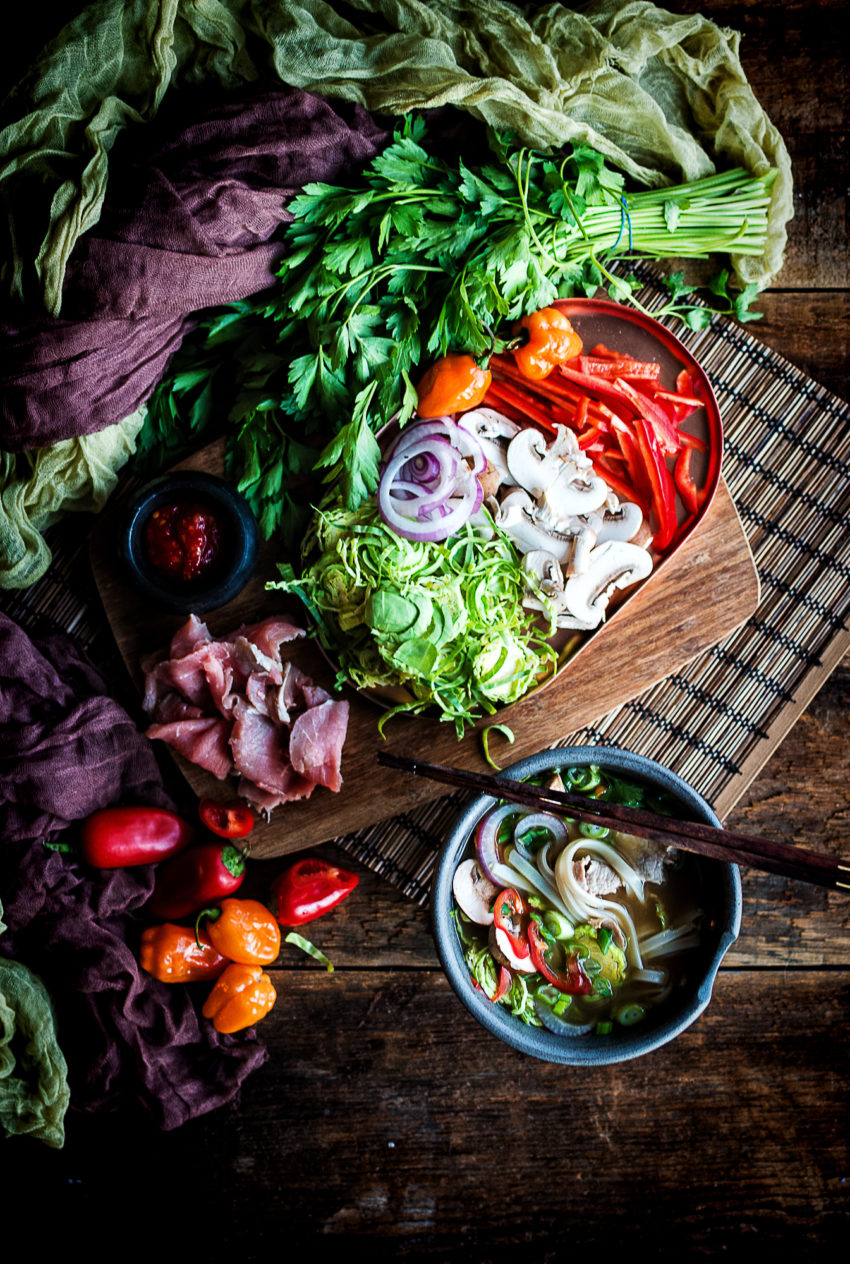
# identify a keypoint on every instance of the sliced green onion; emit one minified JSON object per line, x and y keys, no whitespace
{"x":485,"y":741}
{"x":588,"y":830}
{"x":604,"y":1029}
{"x":628,"y":1015}
{"x":561,"y":927}
{"x":583,"y":779}
{"x":604,"y":937}
{"x":304,"y":944}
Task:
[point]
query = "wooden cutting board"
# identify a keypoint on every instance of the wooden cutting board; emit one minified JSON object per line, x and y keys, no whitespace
{"x":703,"y":592}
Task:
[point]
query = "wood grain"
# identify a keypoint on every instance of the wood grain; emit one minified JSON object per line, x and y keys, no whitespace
{"x":383,"y":1124}
{"x":655,"y":632}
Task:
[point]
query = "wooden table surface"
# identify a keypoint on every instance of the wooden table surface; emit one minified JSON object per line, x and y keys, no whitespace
{"x":386,"y":1118}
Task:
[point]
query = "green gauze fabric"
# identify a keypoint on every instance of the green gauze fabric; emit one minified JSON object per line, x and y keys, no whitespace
{"x":662,"y":95}
{"x":34,"y":1093}
{"x":37,"y":487}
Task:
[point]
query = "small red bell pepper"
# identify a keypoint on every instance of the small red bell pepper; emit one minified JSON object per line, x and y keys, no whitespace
{"x":309,"y":889}
{"x":569,"y":979}
{"x":197,"y":877}
{"x":227,"y":820}
{"x":116,"y":838}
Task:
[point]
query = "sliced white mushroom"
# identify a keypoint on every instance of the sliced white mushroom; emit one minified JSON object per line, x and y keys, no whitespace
{"x":622,"y":523}
{"x":493,"y":432}
{"x":544,"y":581}
{"x":558,"y":475}
{"x":473,"y":892}
{"x":615,"y":564}
{"x":517,"y":517}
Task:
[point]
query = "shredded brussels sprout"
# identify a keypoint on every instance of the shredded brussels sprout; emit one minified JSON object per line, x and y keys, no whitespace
{"x":443,"y":619}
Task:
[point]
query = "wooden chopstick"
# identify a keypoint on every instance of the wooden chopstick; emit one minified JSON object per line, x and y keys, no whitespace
{"x":741,"y":849}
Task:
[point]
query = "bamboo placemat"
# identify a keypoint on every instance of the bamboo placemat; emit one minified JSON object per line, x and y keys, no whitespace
{"x":787,"y":466}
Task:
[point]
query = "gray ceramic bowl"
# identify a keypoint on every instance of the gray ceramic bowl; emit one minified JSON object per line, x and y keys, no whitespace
{"x":720,"y":887}
{"x":238,"y":555}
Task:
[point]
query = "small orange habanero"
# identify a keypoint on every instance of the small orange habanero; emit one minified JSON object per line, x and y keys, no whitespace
{"x":241,"y":997}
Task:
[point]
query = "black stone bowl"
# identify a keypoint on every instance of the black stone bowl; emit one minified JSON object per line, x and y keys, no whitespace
{"x":720,"y":890}
{"x":226,"y":577}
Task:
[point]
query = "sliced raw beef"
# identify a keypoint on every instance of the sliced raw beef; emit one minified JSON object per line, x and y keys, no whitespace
{"x":188,"y":637}
{"x":204,"y":742}
{"x":233,"y":705}
{"x":269,"y":635}
{"x":315,"y":743}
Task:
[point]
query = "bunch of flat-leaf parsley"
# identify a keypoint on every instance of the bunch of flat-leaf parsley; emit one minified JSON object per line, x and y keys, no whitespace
{"x":424,"y":256}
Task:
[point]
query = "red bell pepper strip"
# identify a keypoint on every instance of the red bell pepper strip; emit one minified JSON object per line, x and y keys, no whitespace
{"x":683,"y":477}
{"x":510,"y":917}
{"x":589,"y":437}
{"x":609,"y":367}
{"x":532,"y":408}
{"x":610,"y":392}
{"x":615,"y":480}
{"x":553,"y":389}
{"x":692,"y":441}
{"x":660,"y":481}
{"x":665,"y":430}
{"x":684,"y":401}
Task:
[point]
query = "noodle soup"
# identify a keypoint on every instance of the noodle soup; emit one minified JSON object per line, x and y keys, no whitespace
{"x":573,"y":928}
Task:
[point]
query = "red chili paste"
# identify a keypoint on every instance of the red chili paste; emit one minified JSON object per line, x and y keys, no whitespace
{"x":183,"y":540}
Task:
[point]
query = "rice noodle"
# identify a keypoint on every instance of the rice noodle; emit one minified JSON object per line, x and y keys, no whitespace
{"x":672,"y":940}
{"x":541,"y":884}
{"x":650,"y":976}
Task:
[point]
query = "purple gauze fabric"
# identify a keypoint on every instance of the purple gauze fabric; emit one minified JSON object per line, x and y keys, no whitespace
{"x":67,"y":749}
{"x":187,"y":224}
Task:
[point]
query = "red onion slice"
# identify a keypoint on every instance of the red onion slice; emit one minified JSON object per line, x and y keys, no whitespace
{"x":427,"y":490}
{"x":487,"y":837}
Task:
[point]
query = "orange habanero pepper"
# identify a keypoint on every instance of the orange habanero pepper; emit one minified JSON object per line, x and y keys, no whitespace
{"x":241,"y":997}
{"x":453,"y":384}
{"x":551,"y":341}
{"x":244,"y":931}
{"x":172,"y":954}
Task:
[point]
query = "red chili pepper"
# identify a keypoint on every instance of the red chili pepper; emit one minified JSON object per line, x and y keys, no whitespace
{"x":453,"y":384}
{"x":228,"y":820}
{"x":510,"y":917}
{"x":309,"y":889}
{"x":570,"y":979}
{"x":207,"y":872}
{"x":115,"y":838}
